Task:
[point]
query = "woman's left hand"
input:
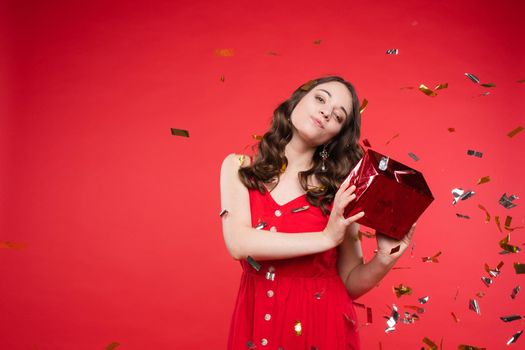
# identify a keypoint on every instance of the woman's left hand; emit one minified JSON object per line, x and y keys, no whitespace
{"x":385,"y":244}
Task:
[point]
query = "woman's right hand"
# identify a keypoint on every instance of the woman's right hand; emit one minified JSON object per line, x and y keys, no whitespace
{"x":337,"y":224}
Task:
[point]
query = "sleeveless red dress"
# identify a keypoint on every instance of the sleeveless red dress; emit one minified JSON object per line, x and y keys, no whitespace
{"x":292,"y":304}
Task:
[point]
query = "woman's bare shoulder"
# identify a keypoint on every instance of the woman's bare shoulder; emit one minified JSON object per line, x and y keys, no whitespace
{"x":235,"y":161}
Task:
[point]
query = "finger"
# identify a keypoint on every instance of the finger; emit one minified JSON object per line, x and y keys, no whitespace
{"x":355,"y":217}
{"x":343,"y":201}
{"x":350,"y":189}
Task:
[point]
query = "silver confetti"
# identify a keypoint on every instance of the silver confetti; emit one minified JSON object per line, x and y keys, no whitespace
{"x":472,"y":77}
{"x":253,"y":263}
{"x":473,"y":153}
{"x":423,"y":300}
{"x":303,"y":208}
{"x":507,"y":202}
{"x":474,"y":306}
{"x":460,"y":194}
{"x":391,"y":322}
{"x":413,"y":156}
{"x":487,"y":281}
{"x":223,"y":212}
{"x":511,"y":318}
{"x":392,"y":51}
{"x":514,"y":337}
{"x":260,"y":226}
{"x":515,"y":292}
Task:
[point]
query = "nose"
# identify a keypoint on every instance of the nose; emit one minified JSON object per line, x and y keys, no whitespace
{"x":326,"y":112}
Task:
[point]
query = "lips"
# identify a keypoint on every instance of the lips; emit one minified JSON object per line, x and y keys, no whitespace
{"x":317,"y":123}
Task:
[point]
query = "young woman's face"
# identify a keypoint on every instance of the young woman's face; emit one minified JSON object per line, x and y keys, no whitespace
{"x":322,"y":112}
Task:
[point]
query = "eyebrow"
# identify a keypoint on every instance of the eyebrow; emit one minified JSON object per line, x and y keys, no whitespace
{"x":329,"y":94}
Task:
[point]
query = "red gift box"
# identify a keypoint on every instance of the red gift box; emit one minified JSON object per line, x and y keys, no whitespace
{"x":391,"y":194}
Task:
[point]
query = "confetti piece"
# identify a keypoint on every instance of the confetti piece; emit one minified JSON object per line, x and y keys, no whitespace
{"x":318,"y":295}
{"x":407,"y":88}
{"x":223,"y":212}
{"x":416,"y":308}
{"x":515,"y":131}
{"x":308,"y":85}
{"x":409,"y":319}
{"x":477,"y":154}
{"x":11,"y":245}
{"x":413,"y":156}
{"x":393,"y":137}
{"x":423,"y":300}
{"x":457,"y":293}
{"x":451,"y":129}
{"x":298,"y":328}
{"x":224,"y":52}
{"x":441,"y":86}
{"x":392,"y":321}
{"x":180,"y":132}
{"x":515,"y":292}
{"x":461,"y":216}
{"x":363,"y":105}
{"x":474,"y":306}
{"x":488,"y":85}
{"x":222,"y":78}
{"x":460,"y":194}
{"x":367,"y":143}
{"x":469,"y":347}
{"x":317,"y":42}
{"x":433,"y":258}
{"x":260,"y":225}
{"x":519,"y":268}
{"x":112,"y":346}
{"x":494,"y":272}
{"x":480,"y":294}
{"x":430,"y":343}
{"x":485,"y":93}
{"x":402,"y":290}
{"x":427,"y":91}
{"x":487,"y":281}
{"x":496,"y":220}
{"x":250,"y":345}
{"x":514,"y":337}
{"x":253,"y":263}
{"x":504,"y":244}
{"x":507,"y":202}
{"x":510,"y":318}
{"x":303,"y":208}
{"x":257,"y":137}
{"x":483,"y":180}
{"x":395,"y":249}
{"x":272,"y":53}
{"x":392,"y":51}
{"x":520,"y":81}
{"x":456,"y":319}
{"x":487,"y":217}
{"x":472,"y":77}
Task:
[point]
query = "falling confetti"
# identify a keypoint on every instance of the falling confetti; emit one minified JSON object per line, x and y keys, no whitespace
{"x":487,"y":281}
{"x":260,"y":225}
{"x":303,"y":208}
{"x":488,"y":85}
{"x":223,"y":212}
{"x":519,"y":268}
{"x":473,"y":153}
{"x":393,"y":137}
{"x":460,"y":194}
{"x":510,"y":318}
{"x":480,"y":294}
{"x":483,"y":180}
{"x":507,"y":202}
{"x":317,"y":42}
{"x":257,"y":137}
{"x":513,"y":133}
{"x":11,"y":245}
{"x":423,"y":300}
{"x":433,"y":258}
{"x":298,"y":328}
{"x":474,"y":306}
{"x":469,"y":347}
{"x":112,"y":346}
{"x":451,"y":129}
{"x":487,"y":217}
{"x":504,"y":244}
{"x":441,"y":86}
{"x":427,"y":91}
{"x":392,"y":321}
{"x":514,"y":337}
{"x":253,"y":263}
{"x":392,"y":51}
{"x":180,"y":132}
{"x":272,"y":53}
{"x":456,"y":319}
{"x":461,"y":216}
{"x":413,"y":156}
{"x":224,"y":52}
{"x":515,"y":292}
{"x":433,"y":346}
{"x":496,"y":220}
{"x":402,"y":290}
{"x":494,"y":272}
{"x":363,"y":105}
{"x":472,"y":77}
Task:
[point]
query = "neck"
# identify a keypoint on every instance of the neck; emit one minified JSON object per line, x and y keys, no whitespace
{"x":299,"y":155}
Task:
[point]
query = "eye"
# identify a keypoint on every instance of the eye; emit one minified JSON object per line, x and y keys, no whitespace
{"x":319,"y":98}
{"x":339,"y":119}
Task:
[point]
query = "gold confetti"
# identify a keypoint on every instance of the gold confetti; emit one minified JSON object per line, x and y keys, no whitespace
{"x":407,"y":88}
{"x":508,"y":221}
{"x":180,"y":132}
{"x":242,"y":157}
{"x":504,"y":244}
{"x":257,"y":137}
{"x":283,"y":168}
{"x":451,"y":129}
{"x":483,"y":180}
{"x":472,"y":77}
{"x":456,"y":319}
{"x":317,"y":42}
{"x":433,"y":258}
{"x":427,"y":91}
{"x":298,"y":328}
{"x":415,"y":308}
{"x":393,"y":137}
{"x":363,"y":105}
{"x":303,"y":208}
{"x":224,"y":52}
{"x":487,"y":217}
{"x":515,"y":131}
{"x":496,"y":219}
{"x":222,"y":78}
{"x":272,"y":53}
{"x":402,"y":290}
{"x":520,"y":268}
{"x":433,"y":346}
{"x":112,"y":346}
{"x":441,"y":86}
{"x":11,"y":245}
{"x":469,"y":347}
{"x":488,"y":85}
{"x":520,"y":81}
{"x":461,"y":216}
{"x":480,"y":294}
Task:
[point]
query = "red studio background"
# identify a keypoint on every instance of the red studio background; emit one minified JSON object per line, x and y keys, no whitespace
{"x":110,"y":230}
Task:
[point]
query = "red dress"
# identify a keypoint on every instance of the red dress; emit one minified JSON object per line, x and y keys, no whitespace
{"x":292,"y":304}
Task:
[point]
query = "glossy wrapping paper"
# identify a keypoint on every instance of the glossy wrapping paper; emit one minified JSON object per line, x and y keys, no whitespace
{"x":392,"y":195}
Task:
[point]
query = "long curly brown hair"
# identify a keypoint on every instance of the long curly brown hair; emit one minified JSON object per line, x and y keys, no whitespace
{"x":343,"y":149}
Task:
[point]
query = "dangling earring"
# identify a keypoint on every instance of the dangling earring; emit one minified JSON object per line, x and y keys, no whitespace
{"x":324,"y":155}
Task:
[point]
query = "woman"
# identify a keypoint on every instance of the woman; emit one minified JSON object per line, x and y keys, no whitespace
{"x":283,"y":219}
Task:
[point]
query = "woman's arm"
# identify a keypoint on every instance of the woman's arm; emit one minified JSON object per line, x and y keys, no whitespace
{"x":242,"y":240}
{"x":358,"y":277}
